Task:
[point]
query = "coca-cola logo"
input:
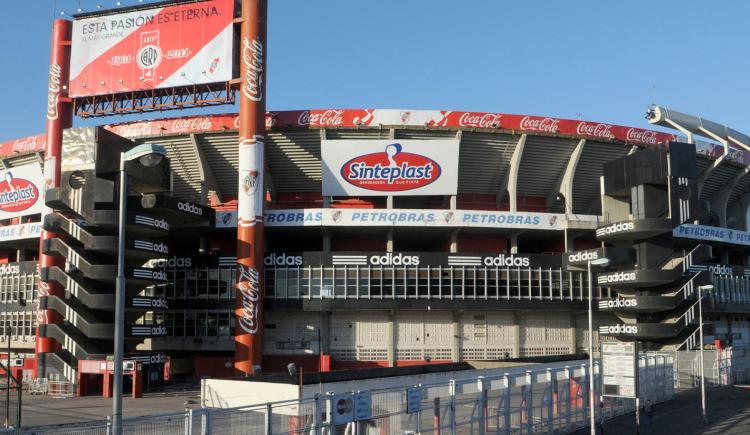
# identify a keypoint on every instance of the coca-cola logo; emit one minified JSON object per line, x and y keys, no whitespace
{"x":595,"y":130}
{"x":191,"y":124}
{"x":544,"y":125}
{"x":136,"y":129}
{"x":480,"y":120}
{"x":249,"y":287}
{"x":391,"y":170}
{"x":17,"y":194}
{"x":641,"y":136}
{"x":25,"y":144}
{"x":252,"y":58}
{"x":325,"y":118}
{"x":54,"y":87}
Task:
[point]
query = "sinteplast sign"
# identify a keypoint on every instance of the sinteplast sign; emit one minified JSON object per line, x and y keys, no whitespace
{"x":21,"y":191}
{"x":389,"y":167}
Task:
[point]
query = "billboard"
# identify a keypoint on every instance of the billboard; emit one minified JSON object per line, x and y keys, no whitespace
{"x":178,"y":45}
{"x":424,"y":218}
{"x":21,"y":191}
{"x":383,"y":167}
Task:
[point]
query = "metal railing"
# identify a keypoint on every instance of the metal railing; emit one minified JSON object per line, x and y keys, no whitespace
{"x":552,"y":400}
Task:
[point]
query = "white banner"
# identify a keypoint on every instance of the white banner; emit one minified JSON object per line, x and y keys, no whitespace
{"x":384,"y":167}
{"x":21,"y":191}
{"x":716,"y":234}
{"x":21,"y":231}
{"x":184,"y":44}
{"x":349,"y":217}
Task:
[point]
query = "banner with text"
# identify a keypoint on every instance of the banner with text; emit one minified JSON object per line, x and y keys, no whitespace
{"x":20,"y":191}
{"x":179,"y":45}
{"x":403,"y":218}
{"x":389,"y":167}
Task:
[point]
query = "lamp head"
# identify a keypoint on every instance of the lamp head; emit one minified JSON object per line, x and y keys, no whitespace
{"x":601,"y":262}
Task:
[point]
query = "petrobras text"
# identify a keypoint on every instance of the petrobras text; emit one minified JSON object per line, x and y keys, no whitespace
{"x":618,"y":329}
{"x":616,"y":277}
{"x":615,"y":228}
{"x":408,"y":218}
{"x":507,"y":261}
{"x":717,"y":234}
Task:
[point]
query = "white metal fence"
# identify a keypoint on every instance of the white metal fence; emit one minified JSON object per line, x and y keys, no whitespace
{"x":542,"y":401}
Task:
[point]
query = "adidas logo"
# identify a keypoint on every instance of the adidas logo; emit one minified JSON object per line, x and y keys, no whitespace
{"x":618,"y":329}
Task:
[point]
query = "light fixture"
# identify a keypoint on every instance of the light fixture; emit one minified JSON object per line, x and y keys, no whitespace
{"x":148,"y":155}
{"x":292,"y":369}
{"x":602,"y":262}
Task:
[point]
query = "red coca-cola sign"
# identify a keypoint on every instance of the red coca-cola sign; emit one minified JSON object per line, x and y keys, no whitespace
{"x":392,"y":170}
{"x":17,"y":194}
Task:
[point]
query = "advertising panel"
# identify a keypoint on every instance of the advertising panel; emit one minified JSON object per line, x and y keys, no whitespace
{"x":307,"y":217}
{"x":389,"y":167}
{"x":619,"y":369}
{"x":20,"y":191}
{"x":712,"y":234}
{"x":179,"y":45}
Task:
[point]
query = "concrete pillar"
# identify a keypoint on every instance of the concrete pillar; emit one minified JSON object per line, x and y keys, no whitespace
{"x":325,"y":332}
{"x":516,"y":335}
{"x":391,"y":331}
{"x":573,"y":334}
{"x":456,"y":344}
{"x":389,"y":241}
{"x":326,"y":202}
{"x":454,"y":242}
{"x":514,"y":244}
{"x":389,"y":202}
{"x":453,"y":202}
{"x":326,"y":240}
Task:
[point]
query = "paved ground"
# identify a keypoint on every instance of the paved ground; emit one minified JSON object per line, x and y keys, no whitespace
{"x":43,"y":411}
{"x":728,"y":414}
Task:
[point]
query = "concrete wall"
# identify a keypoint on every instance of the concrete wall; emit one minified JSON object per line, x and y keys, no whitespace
{"x":232,"y":393}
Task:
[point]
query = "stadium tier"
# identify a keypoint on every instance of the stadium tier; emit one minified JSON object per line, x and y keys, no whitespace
{"x":393,"y":237}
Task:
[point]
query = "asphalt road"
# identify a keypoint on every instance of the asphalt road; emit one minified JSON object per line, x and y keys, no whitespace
{"x":44,"y":410}
{"x":728,"y":410}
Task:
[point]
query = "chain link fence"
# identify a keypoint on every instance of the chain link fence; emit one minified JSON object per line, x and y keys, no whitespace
{"x":542,"y":401}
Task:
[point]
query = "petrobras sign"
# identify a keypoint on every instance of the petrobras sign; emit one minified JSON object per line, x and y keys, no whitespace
{"x":184,"y":44}
{"x":21,"y":191}
{"x":712,"y":234}
{"x":402,"y":217}
{"x":20,"y":231}
{"x":389,"y":167}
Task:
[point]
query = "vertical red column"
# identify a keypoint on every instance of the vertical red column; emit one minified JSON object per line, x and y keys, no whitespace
{"x":59,"y":117}
{"x":251,"y":193}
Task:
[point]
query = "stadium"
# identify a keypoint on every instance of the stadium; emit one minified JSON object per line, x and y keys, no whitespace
{"x":235,"y":244}
{"x":376,"y":281}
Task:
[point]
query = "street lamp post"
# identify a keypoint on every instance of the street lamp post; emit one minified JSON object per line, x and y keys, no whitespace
{"x":708,"y":287}
{"x":8,"y":336}
{"x":603,"y":262}
{"x":148,"y":156}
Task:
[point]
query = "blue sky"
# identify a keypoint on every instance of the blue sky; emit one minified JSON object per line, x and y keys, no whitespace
{"x":600,"y":60}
